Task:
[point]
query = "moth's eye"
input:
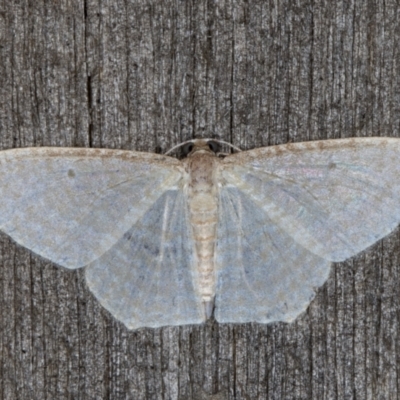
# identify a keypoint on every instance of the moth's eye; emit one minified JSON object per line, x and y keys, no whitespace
{"x":214,"y":146}
{"x":187,"y":148}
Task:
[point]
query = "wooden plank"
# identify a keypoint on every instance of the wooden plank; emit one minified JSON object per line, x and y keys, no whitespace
{"x":146,"y":75}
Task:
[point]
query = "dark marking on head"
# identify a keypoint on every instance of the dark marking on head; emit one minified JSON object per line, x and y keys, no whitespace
{"x":214,"y":146}
{"x":71,"y":173}
{"x":158,"y":150}
{"x":186,"y":149}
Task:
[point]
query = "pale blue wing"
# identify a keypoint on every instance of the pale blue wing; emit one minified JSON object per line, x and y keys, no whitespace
{"x":263,"y":274}
{"x":149,"y":277}
{"x":71,"y":205}
{"x":334,"y":197}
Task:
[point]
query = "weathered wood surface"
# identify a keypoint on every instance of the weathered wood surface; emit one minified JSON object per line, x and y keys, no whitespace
{"x":146,"y":75}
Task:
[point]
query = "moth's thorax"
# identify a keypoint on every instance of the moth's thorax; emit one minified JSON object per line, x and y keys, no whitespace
{"x":202,"y":191}
{"x":201,"y":168}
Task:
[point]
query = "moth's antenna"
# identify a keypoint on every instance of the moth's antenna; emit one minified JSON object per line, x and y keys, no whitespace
{"x":193,"y":140}
{"x":178,"y":145}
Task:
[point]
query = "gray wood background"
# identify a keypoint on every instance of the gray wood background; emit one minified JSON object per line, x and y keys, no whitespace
{"x":145,"y":75}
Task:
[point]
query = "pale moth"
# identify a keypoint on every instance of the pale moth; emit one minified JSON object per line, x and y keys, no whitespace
{"x":247,"y":237}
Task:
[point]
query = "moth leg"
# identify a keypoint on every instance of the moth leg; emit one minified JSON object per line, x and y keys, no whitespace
{"x":208,"y":307}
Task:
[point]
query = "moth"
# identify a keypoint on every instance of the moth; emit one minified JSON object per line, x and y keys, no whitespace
{"x":246,"y":237}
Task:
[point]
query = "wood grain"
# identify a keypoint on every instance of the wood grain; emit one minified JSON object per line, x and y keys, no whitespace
{"x":146,"y":75}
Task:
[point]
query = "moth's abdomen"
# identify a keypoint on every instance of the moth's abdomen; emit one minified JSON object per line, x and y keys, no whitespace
{"x":203,"y":208}
{"x":203,"y":215}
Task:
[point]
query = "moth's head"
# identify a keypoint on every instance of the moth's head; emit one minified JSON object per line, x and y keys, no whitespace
{"x":200,"y":146}
{"x":211,"y":146}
